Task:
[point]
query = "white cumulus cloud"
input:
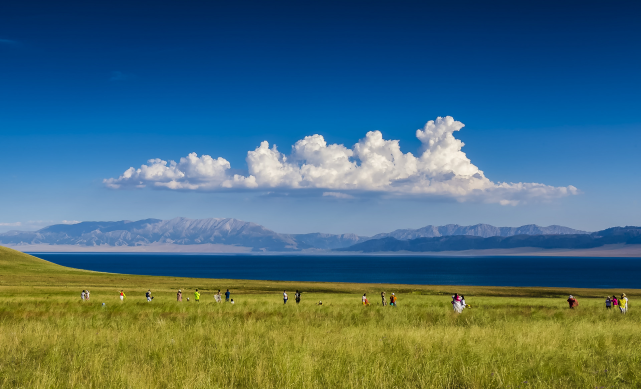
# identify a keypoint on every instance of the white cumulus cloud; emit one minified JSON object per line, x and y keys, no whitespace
{"x":373,"y":164}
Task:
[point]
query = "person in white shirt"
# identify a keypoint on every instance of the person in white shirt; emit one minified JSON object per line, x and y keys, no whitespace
{"x":285,"y":297}
{"x":82,"y":295}
{"x":365,"y":301}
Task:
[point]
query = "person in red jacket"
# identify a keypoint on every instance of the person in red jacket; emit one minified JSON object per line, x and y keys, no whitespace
{"x":572,"y":301}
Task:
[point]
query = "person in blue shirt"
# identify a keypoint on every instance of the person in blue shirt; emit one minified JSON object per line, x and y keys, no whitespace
{"x":227,"y":294}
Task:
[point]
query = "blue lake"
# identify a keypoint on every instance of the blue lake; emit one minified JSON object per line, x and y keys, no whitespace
{"x":496,"y":271}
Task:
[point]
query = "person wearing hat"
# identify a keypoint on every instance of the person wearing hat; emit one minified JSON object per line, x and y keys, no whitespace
{"x":622,"y":303}
{"x":573,"y":302}
{"x":392,"y":300}
{"x":179,"y":296}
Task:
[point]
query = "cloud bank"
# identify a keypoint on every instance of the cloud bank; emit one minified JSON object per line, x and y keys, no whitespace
{"x":373,"y":164}
{"x":32,"y":225}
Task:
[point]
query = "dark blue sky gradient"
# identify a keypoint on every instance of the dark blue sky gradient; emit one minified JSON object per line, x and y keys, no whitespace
{"x":549,"y":93}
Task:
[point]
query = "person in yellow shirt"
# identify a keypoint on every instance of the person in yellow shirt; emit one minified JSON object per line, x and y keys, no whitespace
{"x":197,"y":296}
{"x":622,"y":302}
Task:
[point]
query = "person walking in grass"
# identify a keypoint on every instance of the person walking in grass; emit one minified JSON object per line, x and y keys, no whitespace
{"x":383,"y":298}
{"x":82,"y":295}
{"x":573,"y":302}
{"x":392,"y":300}
{"x":297,"y":296}
{"x":87,"y":295}
{"x":179,"y":296}
{"x":365,"y":301}
{"x":457,"y":303}
{"x":285,"y":298}
{"x":615,"y":302}
{"x":227,"y":294}
{"x":148,"y":295}
{"x":623,"y":296}
{"x":463,"y":305}
{"x":608,"y":303}
{"x":197,"y":296}
{"x":122,"y":295}
{"x":622,"y":304}
{"x":218,"y":297}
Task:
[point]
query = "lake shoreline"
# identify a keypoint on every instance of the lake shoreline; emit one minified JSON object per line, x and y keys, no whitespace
{"x":607,"y":251}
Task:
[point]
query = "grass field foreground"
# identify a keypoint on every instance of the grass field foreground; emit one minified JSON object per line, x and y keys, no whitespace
{"x":511,"y":337}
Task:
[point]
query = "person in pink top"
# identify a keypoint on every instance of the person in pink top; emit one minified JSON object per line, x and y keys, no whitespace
{"x":457,"y":303}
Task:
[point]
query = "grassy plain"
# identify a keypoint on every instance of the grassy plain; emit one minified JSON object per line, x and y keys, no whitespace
{"x":511,"y":338}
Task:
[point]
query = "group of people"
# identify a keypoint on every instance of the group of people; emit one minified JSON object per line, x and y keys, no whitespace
{"x":458,"y":303}
{"x":392,"y":299}
{"x":179,"y":296}
{"x":621,"y":302}
{"x":296,"y":297}
{"x":610,"y":302}
{"x":217,"y":297}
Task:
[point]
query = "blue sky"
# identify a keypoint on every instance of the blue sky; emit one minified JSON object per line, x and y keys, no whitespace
{"x":548,"y":94}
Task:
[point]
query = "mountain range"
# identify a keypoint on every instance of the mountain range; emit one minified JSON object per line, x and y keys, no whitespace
{"x":482,"y":230}
{"x":611,"y":236}
{"x":233,"y":232}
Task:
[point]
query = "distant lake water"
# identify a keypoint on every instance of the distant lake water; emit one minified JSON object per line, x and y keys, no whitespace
{"x":491,"y":271}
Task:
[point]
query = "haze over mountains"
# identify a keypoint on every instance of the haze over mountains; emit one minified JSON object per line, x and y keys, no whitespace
{"x":233,"y":232}
{"x":610,"y":236}
{"x":482,"y":230}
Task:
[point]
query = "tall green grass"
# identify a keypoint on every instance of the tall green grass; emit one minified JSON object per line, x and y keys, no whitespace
{"x":511,"y":338}
{"x":54,"y":341}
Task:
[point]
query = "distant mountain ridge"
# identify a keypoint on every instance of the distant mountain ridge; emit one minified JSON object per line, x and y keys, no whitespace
{"x":228,"y":231}
{"x":482,"y":230}
{"x":616,"y":235}
{"x":180,"y":231}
